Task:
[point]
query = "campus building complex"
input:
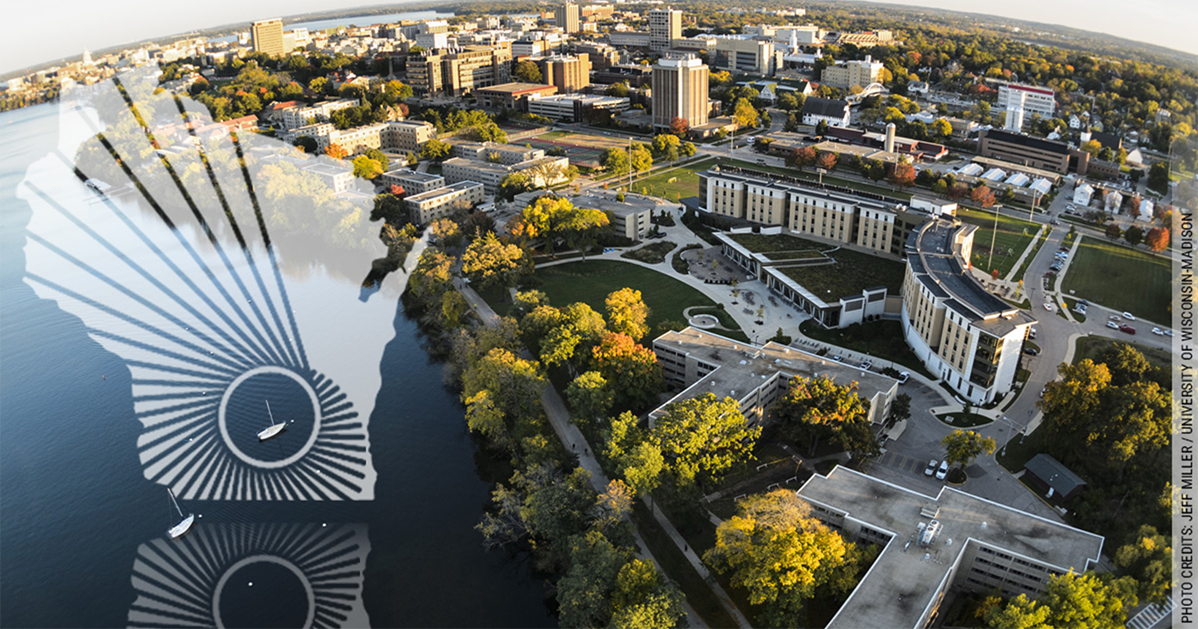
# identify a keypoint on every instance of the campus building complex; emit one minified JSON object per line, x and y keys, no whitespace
{"x":969,"y":338}
{"x":680,"y":90}
{"x":933,"y":544}
{"x":461,"y":72}
{"x":427,"y":207}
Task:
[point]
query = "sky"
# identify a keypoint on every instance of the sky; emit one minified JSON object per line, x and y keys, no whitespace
{"x":35,"y":32}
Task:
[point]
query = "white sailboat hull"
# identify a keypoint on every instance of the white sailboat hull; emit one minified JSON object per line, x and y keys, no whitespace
{"x":273,"y":431}
{"x":181,"y":529}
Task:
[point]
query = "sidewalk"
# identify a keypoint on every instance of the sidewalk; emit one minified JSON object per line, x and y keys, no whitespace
{"x":569,"y":434}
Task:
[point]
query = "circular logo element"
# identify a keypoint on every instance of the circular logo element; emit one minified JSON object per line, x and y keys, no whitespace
{"x":222,"y":419}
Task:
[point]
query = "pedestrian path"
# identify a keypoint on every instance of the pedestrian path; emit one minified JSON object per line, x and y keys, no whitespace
{"x":1152,"y":615}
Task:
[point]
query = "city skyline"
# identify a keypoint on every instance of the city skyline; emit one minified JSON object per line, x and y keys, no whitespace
{"x":97,"y":27}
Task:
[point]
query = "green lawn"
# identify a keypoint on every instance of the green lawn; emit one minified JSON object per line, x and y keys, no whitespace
{"x":1032,"y":256}
{"x":852,"y":273}
{"x":590,"y":282}
{"x":1012,"y":237}
{"x":881,"y":339}
{"x":773,"y":243}
{"x":685,"y":181}
{"x":1121,"y":278}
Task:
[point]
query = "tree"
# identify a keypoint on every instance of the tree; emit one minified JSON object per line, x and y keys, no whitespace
{"x":788,"y":102}
{"x":614,"y":161}
{"x":778,"y":552}
{"x":962,"y":447}
{"x":644,"y":599}
{"x":662,"y":143}
{"x":488,"y":420}
{"x":745,"y":114}
{"x":551,"y":217}
{"x":306,"y":144}
{"x":900,"y":408}
{"x":792,"y":123}
{"x":513,"y":384}
{"x":1019,"y":613}
{"x":631,"y":369}
{"x":1158,"y":177}
{"x":512,"y":185}
{"x":641,"y":159}
{"x":902,"y":174}
{"x":527,"y":71}
{"x":1085,"y":601}
{"x":335,"y":151}
{"x":801,"y":157}
{"x":1093,"y":147}
{"x":827,"y":161}
{"x":941,"y":128}
{"x":489,"y":262}
{"x":642,"y":466}
{"x":1157,"y":238}
{"x":816,"y":408}
{"x":1148,"y":559}
{"x":821,"y":127}
{"x":704,"y":436}
{"x":590,"y":396}
{"x":687,"y":149}
{"x":627,"y":313}
{"x":679,"y":126}
{"x":366,"y":168}
{"x":619,"y":90}
{"x":1113,"y":232}
{"x":982,"y":195}
{"x":435,"y":150}
{"x":1134,"y":235}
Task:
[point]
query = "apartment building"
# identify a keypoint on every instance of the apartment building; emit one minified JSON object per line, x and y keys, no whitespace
{"x":680,"y":90}
{"x":568,"y":73}
{"x":506,"y":154}
{"x":461,"y":72}
{"x":442,"y":202}
{"x":407,"y":136}
{"x":337,"y":177}
{"x":629,"y":39}
{"x":856,"y":72}
{"x":963,"y":334}
{"x":268,"y":36}
{"x":631,"y":218}
{"x":568,"y":18}
{"x":933,"y":544}
{"x":1029,"y":98}
{"x":411,"y":181}
{"x":746,"y":56}
{"x":756,"y":376}
{"x":665,"y":25}
{"x":296,"y":117}
{"x":512,"y":95}
{"x":545,"y":171}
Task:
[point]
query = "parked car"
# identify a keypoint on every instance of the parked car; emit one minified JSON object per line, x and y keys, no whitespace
{"x":942,"y":471}
{"x":904,"y":377}
{"x":1157,"y":331}
{"x":837,"y":358}
{"x":931,"y":468}
{"x":1128,"y":316}
{"x":1112,"y":325}
{"x":1031,"y":351}
{"x":1169,"y":333}
{"x":1032,"y":334}
{"x":1115,"y":318}
{"x":1127,"y":328}
{"x":867,"y":364}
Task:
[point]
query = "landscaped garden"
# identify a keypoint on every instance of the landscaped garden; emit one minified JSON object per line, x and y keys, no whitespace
{"x":852,"y":273}
{"x":1121,"y":278}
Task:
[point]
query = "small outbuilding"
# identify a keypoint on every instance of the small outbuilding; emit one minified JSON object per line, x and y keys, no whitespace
{"x":1053,"y":477}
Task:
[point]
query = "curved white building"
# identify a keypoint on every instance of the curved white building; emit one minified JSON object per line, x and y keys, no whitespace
{"x":962,"y":333}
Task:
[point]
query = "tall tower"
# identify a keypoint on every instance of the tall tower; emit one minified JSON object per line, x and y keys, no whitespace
{"x":568,"y":17}
{"x":665,"y":25}
{"x":679,"y":90}
{"x":1015,"y":103}
{"x":889,"y":144}
{"x":268,"y":36}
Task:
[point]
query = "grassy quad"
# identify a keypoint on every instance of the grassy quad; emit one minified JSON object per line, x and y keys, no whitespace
{"x":1121,"y":278}
{"x":685,"y":181}
{"x":1013,"y":236}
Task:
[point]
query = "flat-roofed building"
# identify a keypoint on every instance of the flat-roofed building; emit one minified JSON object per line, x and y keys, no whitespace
{"x":442,"y":202}
{"x":413,"y":182}
{"x":746,"y":56}
{"x":496,"y":152}
{"x":460,"y":72}
{"x":969,"y":338}
{"x":634,"y":75}
{"x":932,"y":544}
{"x":512,"y":95}
{"x":567,"y":17}
{"x":629,"y":39}
{"x":569,"y":73}
{"x":296,"y":117}
{"x":575,"y":107}
{"x":756,"y":376}
{"x":339,"y":178}
{"x":1024,"y":149}
{"x":1028,"y":98}
{"x":665,"y":25}
{"x":680,"y":90}
{"x":545,"y":171}
{"x":854,"y":72}
{"x":408,"y":135}
{"x":268,"y":36}
{"x":631,"y":218}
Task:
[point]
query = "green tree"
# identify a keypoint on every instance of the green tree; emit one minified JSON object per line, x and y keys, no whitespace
{"x":590,"y":396}
{"x":584,"y":594}
{"x":1158,"y":177}
{"x":435,"y":150}
{"x":941,"y":129}
{"x":641,"y":158}
{"x":962,"y":447}
{"x":487,"y":419}
{"x":745,"y":114}
{"x":619,"y":90}
{"x":627,"y":313}
{"x":1019,"y":613}
{"x":778,"y":552}
{"x":307,"y":144}
{"x":643,"y":466}
{"x":489,"y":262}
{"x":631,"y":369}
{"x":687,"y":149}
{"x":527,"y":71}
{"x":512,"y":185}
{"x":513,"y":384}
{"x":900,"y":408}
{"x":1134,"y":235}
{"x":366,"y":168}
{"x":704,"y":437}
{"x":615,"y":161}
{"x":817,"y":408}
{"x":378,"y":156}
{"x":1148,"y":559}
{"x":644,"y":599}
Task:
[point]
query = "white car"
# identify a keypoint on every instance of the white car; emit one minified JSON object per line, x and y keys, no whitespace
{"x":1049,"y":307}
{"x":931,"y":468}
{"x":1112,"y":325}
{"x":1115,"y":318}
{"x":1158,"y":332}
{"x":904,"y":377}
{"x":942,"y":471}
{"x":1128,"y":316}
{"x":1169,"y":333}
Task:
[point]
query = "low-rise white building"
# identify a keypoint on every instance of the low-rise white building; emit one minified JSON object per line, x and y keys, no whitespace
{"x":411,"y":181}
{"x":440,"y":203}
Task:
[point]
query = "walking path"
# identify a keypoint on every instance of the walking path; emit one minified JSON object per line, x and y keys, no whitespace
{"x":569,"y":434}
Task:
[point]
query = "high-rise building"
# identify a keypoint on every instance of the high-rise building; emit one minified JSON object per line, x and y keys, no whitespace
{"x":569,"y":73}
{"x":680,"y":90}
{"x":665,"y":25}
{"x":1033,"y":100}
{"x":457,"y":73}
{"x":568,"y":17}
{"x":268,"y":36}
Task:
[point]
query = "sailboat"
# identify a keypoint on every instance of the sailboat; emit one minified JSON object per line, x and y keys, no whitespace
{"x":274,"y":430}
{"x":184,"y":525}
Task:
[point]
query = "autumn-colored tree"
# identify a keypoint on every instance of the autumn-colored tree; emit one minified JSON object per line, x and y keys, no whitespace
{"x":827,"y":160}
{"x":982,"y":195}
{"x":1113,"y":232}
{"x":627,"y":313}
{"x":704,"y":437}
{"x":801,"y":157}
{"x":631,"y":369}
{"x":902,"y":174}
{"x":1157,"y":238}
{"x":679,"y":126}
{"x":335,"y":151}
{"x":816,"y":408}
{"x":489,"y":262}
{"x":745,"y":114}
{"x":963,"y":446}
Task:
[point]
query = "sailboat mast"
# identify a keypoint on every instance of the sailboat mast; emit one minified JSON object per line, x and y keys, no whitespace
{"x":176,"y":502}
{"x":272,"y":415}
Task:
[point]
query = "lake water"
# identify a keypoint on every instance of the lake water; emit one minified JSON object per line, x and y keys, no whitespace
{"x":82,"y":529}
{"x":366,"y":20}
